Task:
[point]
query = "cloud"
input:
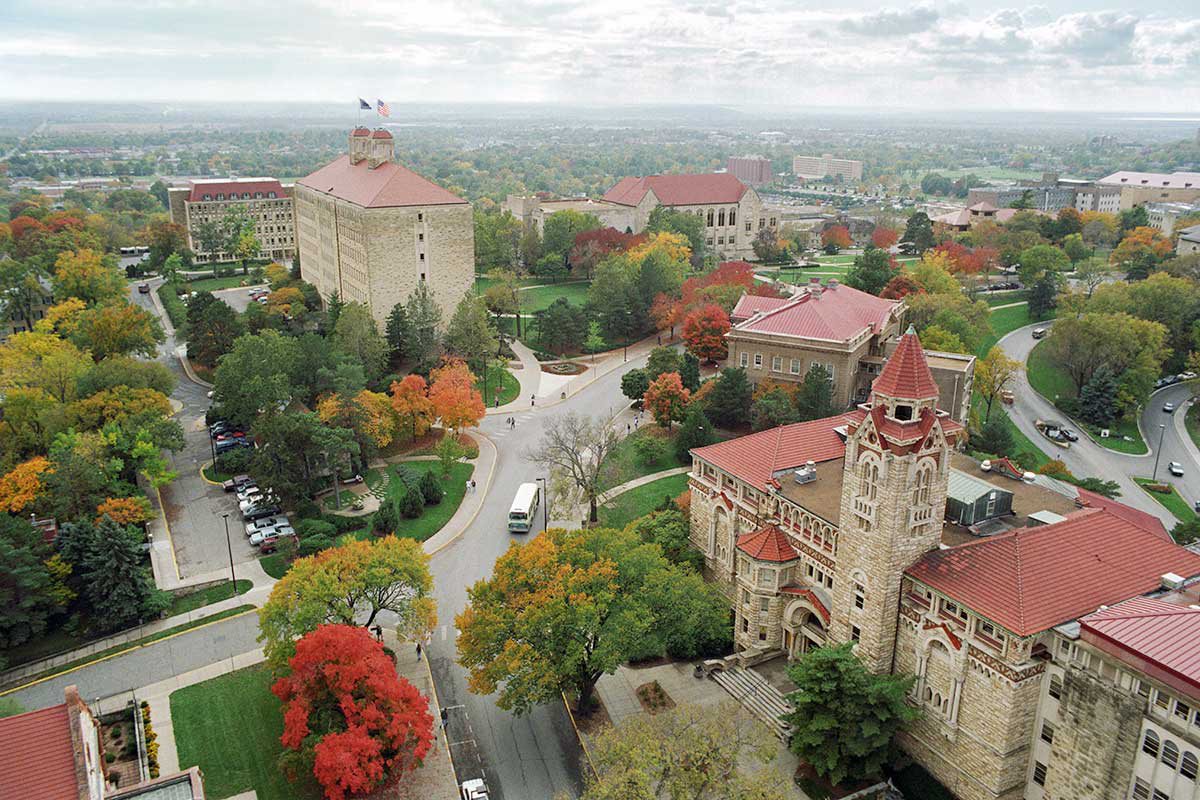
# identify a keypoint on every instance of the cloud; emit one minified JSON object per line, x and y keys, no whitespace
{"x":889,"y":22}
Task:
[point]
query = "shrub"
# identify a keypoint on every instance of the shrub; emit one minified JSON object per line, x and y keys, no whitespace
{"x":386,"y":518}
{"x":310,"y":545}
{"x":109,"y":757}
{"x":235,"y":461}
{"x":430,"y":489}
{"x":307,"y":509}
{"x":412,"y":504}
{"x":649,"y":450}
{"x":308,"y":528}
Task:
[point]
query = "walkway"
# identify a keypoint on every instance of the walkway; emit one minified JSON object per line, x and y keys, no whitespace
{"x":642,"y":481}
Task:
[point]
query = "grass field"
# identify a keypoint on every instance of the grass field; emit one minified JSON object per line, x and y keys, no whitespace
{"x":501,"y":384}
{"x":230,"y":726}
{"x":1172,"y":502}
{"x":205,"y":597}
{"x":1192,"y":422}
{"x":176,"y":309}
{"x":435,"y":517}
{"x":623,"y":464}
{"x":1003,"y":322}
{"x":1004,"y":298}
{"x":536,"y":293}
{"x":215,"y":284}
{"x":1051,"y":382}
{"x":637,"y":502}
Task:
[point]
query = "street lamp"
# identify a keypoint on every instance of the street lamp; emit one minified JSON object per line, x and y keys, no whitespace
{"x":1162,"y":431}
{"x":232,"y":576}
{"x":545,"y":502}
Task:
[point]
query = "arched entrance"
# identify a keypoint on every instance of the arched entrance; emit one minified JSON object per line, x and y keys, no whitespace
{"x":803,"y":629}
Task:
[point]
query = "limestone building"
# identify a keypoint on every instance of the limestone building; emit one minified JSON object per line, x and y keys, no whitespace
{"x":533,"y":210}
{"x":847,"y":331}
{"x":1055,"y":659}
{"x":371,"y":230}
{"x":1139,"y":188}
{"x":826,"y":166}
{"x":265,"y":200}
{"x":731,"y":211}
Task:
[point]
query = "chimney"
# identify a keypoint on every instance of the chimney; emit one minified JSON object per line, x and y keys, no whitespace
{"x":381,"y":149}
{"x":832,"y":283}
{"x":814,"y":287}
{"x":360,"y":138}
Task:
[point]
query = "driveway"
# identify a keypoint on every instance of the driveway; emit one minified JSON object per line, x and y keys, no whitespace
{"x":1084,"y":458}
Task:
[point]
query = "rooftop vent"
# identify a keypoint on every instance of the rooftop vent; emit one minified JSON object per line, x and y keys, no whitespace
{"x":807,"y":473}
{"x":986,"y":465}
{"x":1172,"y":581}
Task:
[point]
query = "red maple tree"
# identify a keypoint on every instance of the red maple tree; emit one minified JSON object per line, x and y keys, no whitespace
{"x":836,"y":235}
{"x":883,"y":238}
{"x":666,"y":399}
{"x":900,"y":286}
{"x":454,"y":396}
{"x":704,"y":332}
{"x":348,"y":716}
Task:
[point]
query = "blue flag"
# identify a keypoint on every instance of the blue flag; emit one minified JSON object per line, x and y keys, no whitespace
{"x":363,"y":105}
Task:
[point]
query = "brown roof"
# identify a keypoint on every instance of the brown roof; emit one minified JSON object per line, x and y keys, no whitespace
{"x":755,"y":458}
{"x":768,"y":543}
{"x":906,"y":374}
{"x":1157,"y":637}
{"x":678,"y":190}
{"x":835,"y":313}
{"x":37,"y":759}
{"x":387,"y":185}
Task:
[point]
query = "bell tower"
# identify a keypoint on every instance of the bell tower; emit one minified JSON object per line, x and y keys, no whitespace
{"x":893,"y":499}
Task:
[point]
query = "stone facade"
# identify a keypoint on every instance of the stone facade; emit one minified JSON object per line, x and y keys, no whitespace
{"x":779,"y":358}
{"x":265,"y":200}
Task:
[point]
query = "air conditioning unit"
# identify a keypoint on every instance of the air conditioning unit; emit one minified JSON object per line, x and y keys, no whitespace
{"x":807,"y":473}
{"x":1172,"y":581}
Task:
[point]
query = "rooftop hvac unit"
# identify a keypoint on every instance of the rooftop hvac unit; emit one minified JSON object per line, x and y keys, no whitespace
{"x":1172,"y":581}
{"x":807,"y":473}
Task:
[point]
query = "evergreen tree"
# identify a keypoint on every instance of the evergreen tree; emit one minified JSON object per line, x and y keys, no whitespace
{"x":1098,"y":398}
{"x":772,"y":409}
{"x":871,"y":271}
{"x":918,"y":234}
{"x":412,"y":503}
{"x":634,"y":384}
{"x":471,"y":334}
{"x":396,"y":332}
{"x":689,"y":371}
{"x":116,"y":582}
{"x":662,"y":359}
{"x":994,"y":437}
{"x":728,"y":404}
{"x":424,"y":318}
{"x":335,"y":306}
{"x":1043,"y":295}
{"x":845,"y":718}
{"x":26,"y":594}
{"x":563,"y":327}
{"x":696,"y":431}
{"x":815,"y":398}
{"x":386,"y":518}
{"x":431,"y":489}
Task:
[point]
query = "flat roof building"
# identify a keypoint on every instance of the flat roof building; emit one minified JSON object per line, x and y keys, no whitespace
{"x":751,"y":170}
{"x":826,"y":166}
{"x":266,"y":201}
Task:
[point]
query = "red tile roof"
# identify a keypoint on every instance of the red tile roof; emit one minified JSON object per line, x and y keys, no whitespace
{"x":755,"y":458}
{"x":678,"y":190}
{"x":37,"y":761}
{"x":360,"y":131}
{"x":1030,"y":580}
{"x":836,"y":313}
{"x":381,"y":134}
{"x":906,"y":374}
{"x":750,"y":304}
{"x":1089,"y":499}
{"x":1157,"y":637}
{"x":768,"y":543}
{"x":907,"y":431}
{"x":388,"y":185}
{"x":228,"y":187}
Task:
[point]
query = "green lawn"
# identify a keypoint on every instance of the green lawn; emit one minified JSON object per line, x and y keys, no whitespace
{"x":537,"y":299}
{"x":1051,"y":382}
{"x":628,"y":506}
{"x":1003,"y":322}
{"x":1004,"y":298}
{"x":435,"y":517}
{"x":228,"y":282}
{"x":1172,"y":502}
{"x":1192,"y":422}
{"x":205,"y":597}
{"x":501,"y":384}
{"x":623,"y":464}
{"x":211,"y":472}
{"x":275,"y":565}
{"x":229,"y":726}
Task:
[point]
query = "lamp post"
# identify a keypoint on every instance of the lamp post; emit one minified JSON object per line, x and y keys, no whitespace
{"x":545,"y":502}
{"x":232,"y":576}
{"x":1162,"y":431}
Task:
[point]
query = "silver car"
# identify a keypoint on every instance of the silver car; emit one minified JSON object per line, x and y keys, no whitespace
{"x":274,"y":533}
{"x":266,"y":524}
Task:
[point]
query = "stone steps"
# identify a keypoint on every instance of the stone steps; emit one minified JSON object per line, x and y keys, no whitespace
{"x":757,"y":696}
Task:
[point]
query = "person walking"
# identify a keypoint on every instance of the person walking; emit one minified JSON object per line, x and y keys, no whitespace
{"x":497,"y":402}
{"x":531,"y":401}
{"x":418,"y":651}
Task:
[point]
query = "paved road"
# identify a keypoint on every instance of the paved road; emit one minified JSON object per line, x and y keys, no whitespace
{"x":1085,"y":457}
{"x":1176,"y":444}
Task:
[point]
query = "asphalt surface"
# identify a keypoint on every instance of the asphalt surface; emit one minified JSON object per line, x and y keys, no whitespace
{"x":1086,"y":458}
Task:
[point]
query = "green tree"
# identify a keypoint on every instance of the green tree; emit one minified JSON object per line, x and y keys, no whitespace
{"x":814,"y":400}
{"x":562,"y":327}
{"x":634,"y":384}
{"x":1043,"y":294}
{"x":845,"y":718}
{"x":256,"y":376}
{"x":118,"y":586}
{"x":594,"y":343}
{"x":212,"y":335}
{"x":918,"y":234}
{"x":23,"y":289}
{"x":689,"y":371}
{"x":938,"y":339}
{"x":613,"y":298}
{"x":530,"y":246}
{"x":695,"y":431}
{"x":26,"y":594}
{"x":691,"y":226}
{"x":449,"y":452}
{"x":396,"y":332}
{"x":871,"y":271}
{"x":210,"y":236}
{"x":497,"y":239}
{"x":994,"y":437}
{"x":1098,"y":398}
{"x":424,"y":319}
{"x":356,"y":335}
{"x":240,"y":241}
{"x":728,"y":403}
{"x":1075,"y":249}
{"x":159,"y":190}
{"x":771,"y":409}
{"x":471,"y":335}
{"x":561,"y":227}
{"x":662,"y":359}
{"x":1036,"y":261}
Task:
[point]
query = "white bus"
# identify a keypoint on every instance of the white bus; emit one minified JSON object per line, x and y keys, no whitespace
{"x":524,"y":507}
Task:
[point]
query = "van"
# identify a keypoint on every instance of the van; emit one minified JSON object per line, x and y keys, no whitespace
{"x":1039,"y":333}
{"x":524,"y":508}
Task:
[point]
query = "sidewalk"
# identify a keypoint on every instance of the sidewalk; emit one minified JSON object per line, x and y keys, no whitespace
{"x":529,"y":376}
{"x":472,"y":502}
{"x":642,"y":481}
{"x":257,"y":595}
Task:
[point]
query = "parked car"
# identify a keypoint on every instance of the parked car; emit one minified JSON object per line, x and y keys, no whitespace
{"x":1187,"y":376}
{"x":225,"y":445}
{"x":258,"y":512}
{"x":266,"y":524}
{"x":271,"y":545}
{"x":1169,"y":408}
{"x":1068,"y":434}
{"x":474,"y":789}
{"x":1175,"y":468}
{"x":271,"y":533}
{"x":1039,"y":333}
{"x":144,"y":288}
{"x":255,"y":500}
{"x":237,"y":483}
{"x":219,"y":427}
{"x":249,"y":492}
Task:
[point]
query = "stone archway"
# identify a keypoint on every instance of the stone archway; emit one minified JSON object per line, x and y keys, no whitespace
{"x":803,"y":629}
{"x":719,"y":545}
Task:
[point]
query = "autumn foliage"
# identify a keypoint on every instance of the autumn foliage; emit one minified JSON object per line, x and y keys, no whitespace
{"x":348,"y":717}
{"x":704,"y":332}
{"x":454,"y":396}
{"x":21,"y":486}
{"x":836,"y":235}
{"x":963,"y":259}
{"x":666,"y":398}
{"x":124,"y":510}
{"x":883,"y":238}
{"x":900,"y":286}
{"x":722,"y":287}
{"x":414,"y":409}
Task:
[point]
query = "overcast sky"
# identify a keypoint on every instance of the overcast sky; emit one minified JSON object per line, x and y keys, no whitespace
{"x":1071,"y":55}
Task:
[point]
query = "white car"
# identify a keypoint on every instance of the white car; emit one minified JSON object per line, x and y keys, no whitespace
{"x":265,"y":524}
{"x":1175,"y":468}
{"x":254,"y":501}
{"x":247,"y":491}
{"x":274,"y":533}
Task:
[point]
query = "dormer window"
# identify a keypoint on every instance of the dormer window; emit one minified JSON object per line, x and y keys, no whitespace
{"x":903,"y":412}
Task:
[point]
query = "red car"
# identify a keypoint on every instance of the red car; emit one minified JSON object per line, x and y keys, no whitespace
{"x":271,"y":545}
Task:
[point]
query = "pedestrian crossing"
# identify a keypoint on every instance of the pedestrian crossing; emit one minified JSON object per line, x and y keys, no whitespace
{"x":506,"y":429}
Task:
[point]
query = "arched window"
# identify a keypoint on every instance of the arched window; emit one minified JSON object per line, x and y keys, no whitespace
{"x":921,"y":488}
{"x":710,"y":218}
{"x":1150,"y":744}
{"x":1189,"y":766}
{"x":869,"y":478}
{"x":1170,"y":754}
{"x":721,"y":218}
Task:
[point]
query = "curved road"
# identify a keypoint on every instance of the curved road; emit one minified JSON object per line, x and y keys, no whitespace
{"x":1086,"y":458}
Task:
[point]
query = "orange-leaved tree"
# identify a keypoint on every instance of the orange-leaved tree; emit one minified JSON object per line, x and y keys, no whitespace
{"x":455,"y":399}
{"x":124,"y":510}
{"x":83,"y":274}
{"x":836,"y":237}
{"x":23,"y":484}
{"x":884,"y":237}
{"x":414,"y":409}
{"x":666,"y":398}
{"x":349,"y":719}
{"x":704,"y":332}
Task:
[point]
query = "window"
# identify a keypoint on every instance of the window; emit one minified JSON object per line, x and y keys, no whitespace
{"x":758,"y":361}
{"x":745,"y":626}
{"x":420,"y":217}
{"x":744,"y":359}
{"x":1056,"y":685}
{"x":921,"y":498}
{"x":748,"y":227}
{"x":1047,"y":733}
{"x":733,"y":240}
{"x":869,"y":480}
{"x":764,"y":604}
{"x":1182,"y":710}
{"x":420,"y":237}
{"x":860,"y":595}
{"x":762,"y":633}
{"x":1161,"y":700}
{"x":721,"y":218}
{"x":1141,"y":791}
{"x":795,"y":366}
{"x":422,"y":276}
{"x":855,"y":633}
{"x":772,"y":222}
{"x":422,"y":256}
{"x":1039,"y":773}
{"x":1159,"y":794}
{"x":1150,"y":744}
{"x":271,"y":195}
{"x":776,"y":363}
{"x":762,"y":223}
{"x":1189,"y":766}
{"x":220,"y":195}
{"x":709,"y":218}
{"x":733,"y":216}
{"x":1170,"y":754}
{"x":766,"y":578}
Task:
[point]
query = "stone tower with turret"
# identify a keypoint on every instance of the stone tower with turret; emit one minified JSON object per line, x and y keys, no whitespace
{"x":894,"y":484}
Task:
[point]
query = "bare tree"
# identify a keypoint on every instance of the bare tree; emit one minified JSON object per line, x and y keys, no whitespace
{"x":575,"y":446}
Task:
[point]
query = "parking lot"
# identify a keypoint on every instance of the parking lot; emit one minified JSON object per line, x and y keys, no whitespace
{"x":237,"y":298}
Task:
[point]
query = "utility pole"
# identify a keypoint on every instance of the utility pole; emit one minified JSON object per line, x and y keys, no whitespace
{"x":1162,"y":431}
{"x":229,"y":546}
{"x":545,"y":502}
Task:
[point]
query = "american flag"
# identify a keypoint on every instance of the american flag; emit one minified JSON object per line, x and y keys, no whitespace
{"x":382,"y":108}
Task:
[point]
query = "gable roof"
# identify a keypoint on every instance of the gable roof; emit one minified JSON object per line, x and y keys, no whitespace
{"x":214,"y":186}
{"x":1031,"y":579}
{"x":1090,"y":499}
{"x":906,"y":373}
{"x":678,"y":190}
{"x":386,"y":186}
{"x":755,"y":458}
{"x":37,"y":761}
{"x":835,"y":313}
{"x":768,"y":543}
{"x":1145,"y":629}
{"x":750,"y":304}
